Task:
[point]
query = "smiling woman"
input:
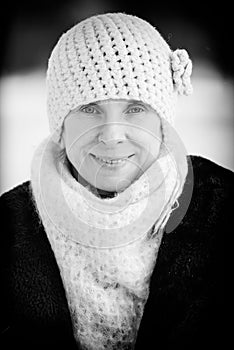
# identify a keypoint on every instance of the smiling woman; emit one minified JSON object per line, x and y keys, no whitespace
{"x":88,"y":262}
{"x":111,"y":143}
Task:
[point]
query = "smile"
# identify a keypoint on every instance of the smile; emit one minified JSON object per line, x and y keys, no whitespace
{"x":111,"y":162}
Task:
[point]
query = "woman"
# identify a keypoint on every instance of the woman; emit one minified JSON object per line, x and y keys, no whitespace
{"x":115,"y":242}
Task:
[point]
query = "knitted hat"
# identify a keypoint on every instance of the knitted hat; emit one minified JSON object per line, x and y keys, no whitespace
{"x":114,"y":56}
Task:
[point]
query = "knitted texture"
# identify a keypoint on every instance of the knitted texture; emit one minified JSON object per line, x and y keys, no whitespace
{"x":187,"y":287}
{"x":112,"y":222}
{"x":114,"y":56}
{"x":106,"y":287}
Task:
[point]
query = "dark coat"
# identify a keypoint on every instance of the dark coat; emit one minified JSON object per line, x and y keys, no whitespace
{"x":186,"y":305}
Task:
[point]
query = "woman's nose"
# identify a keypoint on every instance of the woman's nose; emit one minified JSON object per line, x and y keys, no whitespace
{"x":113,"y":132}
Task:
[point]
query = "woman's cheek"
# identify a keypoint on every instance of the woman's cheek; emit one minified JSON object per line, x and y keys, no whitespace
{"x":74,"y":156}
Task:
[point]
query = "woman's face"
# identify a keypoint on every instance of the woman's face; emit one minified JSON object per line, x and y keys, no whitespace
{"x":126,"y":133}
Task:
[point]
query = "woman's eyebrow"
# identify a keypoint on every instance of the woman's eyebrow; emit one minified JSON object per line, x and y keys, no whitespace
{"x":88,"y":104}
{"x":130,"y":102}
{"x":91,"y":103}
{"x":134,"y":101}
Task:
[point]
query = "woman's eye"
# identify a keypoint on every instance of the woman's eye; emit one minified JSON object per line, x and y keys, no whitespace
{"x":135,"y":109}
{"x":89,"y":110}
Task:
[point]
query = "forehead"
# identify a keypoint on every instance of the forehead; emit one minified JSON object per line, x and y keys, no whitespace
{"x":121,"y":102}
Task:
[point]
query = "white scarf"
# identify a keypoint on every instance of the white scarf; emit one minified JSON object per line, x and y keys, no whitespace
{"x":106,"y":249}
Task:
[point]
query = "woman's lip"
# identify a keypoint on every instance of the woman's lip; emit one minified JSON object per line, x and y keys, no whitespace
{"x":111,"y":158}
{"x":109,"y":166}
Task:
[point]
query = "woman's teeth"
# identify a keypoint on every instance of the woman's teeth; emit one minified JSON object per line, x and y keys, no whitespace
{"x":111,"y":162}
{"x":117,"y":161}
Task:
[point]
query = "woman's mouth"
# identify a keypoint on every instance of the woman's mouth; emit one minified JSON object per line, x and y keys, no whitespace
{"x":111,"y":163}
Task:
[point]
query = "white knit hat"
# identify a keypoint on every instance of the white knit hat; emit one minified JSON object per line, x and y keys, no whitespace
{"x":115,"y":56}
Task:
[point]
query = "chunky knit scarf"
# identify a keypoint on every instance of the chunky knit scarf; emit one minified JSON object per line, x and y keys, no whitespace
{"x":106,"y":249}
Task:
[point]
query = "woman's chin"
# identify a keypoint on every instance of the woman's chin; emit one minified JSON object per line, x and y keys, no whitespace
{"x":117,"y":185}
{"x":111,"y":188}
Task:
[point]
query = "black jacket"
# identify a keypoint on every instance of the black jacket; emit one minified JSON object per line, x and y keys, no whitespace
{"x":186,"y":305}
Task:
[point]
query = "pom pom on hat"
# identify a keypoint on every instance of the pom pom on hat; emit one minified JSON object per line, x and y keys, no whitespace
{"x":114,"y":56}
